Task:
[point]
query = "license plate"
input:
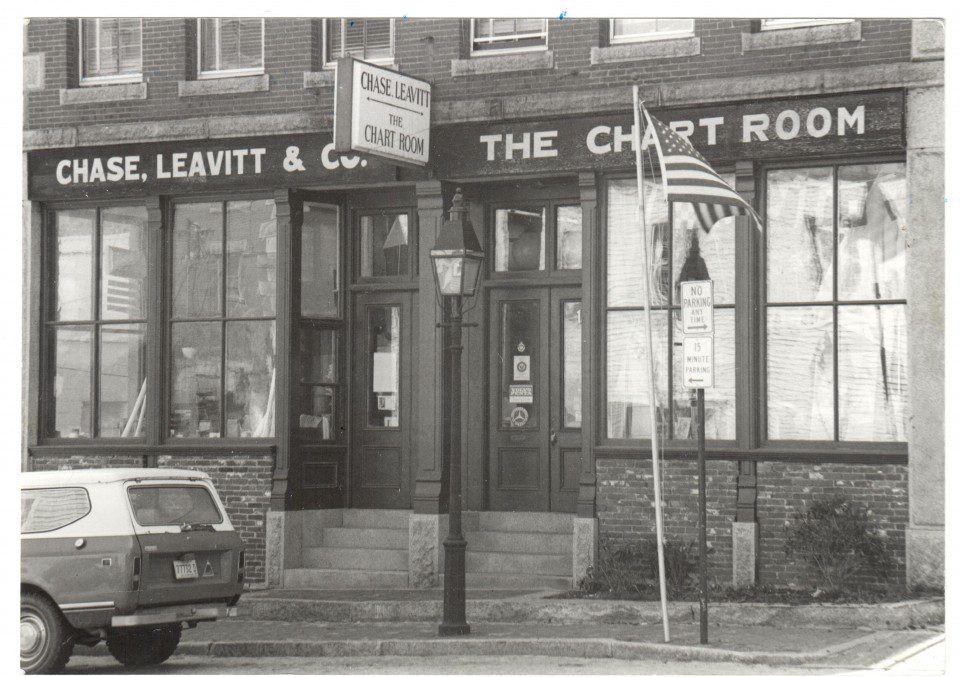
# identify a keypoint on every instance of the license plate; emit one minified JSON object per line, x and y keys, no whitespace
{"x":185,"y":568}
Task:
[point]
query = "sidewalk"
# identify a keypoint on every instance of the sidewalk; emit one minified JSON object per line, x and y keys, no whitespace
{"x":755,"y":645}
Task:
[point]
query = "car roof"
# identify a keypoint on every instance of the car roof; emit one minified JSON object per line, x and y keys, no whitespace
{"x":48,"y":478}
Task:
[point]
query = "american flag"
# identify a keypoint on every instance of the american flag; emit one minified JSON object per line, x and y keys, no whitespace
{"x":688,"y":178}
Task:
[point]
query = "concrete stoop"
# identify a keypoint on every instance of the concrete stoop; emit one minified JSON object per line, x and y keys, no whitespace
{"x":369,"y":549}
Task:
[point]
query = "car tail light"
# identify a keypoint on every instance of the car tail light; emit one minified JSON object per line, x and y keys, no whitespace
{"x":136,"y":573}
{"x":240,"y":567}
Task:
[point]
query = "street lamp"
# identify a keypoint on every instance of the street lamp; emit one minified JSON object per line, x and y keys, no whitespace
{"x":457,"y":257}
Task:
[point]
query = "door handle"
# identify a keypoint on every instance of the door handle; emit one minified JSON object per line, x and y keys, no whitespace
{"x":553,"y":437}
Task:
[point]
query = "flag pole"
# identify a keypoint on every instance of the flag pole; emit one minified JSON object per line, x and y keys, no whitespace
{"x":637,"y":140}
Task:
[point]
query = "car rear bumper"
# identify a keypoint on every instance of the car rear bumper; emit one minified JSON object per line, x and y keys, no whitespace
{"x":175,"y":614}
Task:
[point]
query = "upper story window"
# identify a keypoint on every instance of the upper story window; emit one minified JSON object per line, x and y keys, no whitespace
{"x":110,"y":50}
{"x":229,"y":47}
{"x":365,"y":39}
{"x":508,"y":34}
{"x":773,"y":24}
{"x":637,"y":30}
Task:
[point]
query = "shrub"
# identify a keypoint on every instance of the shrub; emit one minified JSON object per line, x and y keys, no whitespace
{"x":838,"y":541}
{"x":618,"y":569}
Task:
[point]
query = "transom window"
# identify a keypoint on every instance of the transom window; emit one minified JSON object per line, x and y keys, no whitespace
{"x":223,"y":311}
{"x":637,"y":30}
{"x":836,"y":338}
{"x":110,"y":49}
{"x":774,"y":24}
{"x":95,"y":378}
{"x":508,"y":34}
{"x":365,"y":39}
{"x":232,"y":46}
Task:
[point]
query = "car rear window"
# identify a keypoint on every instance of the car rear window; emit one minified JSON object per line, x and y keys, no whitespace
{"x":173,"y":505}
{"x":49,"y":509}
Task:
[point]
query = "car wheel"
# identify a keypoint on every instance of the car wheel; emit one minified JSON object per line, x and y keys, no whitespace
{"x":46,"y":640}
{"x":144,"y":646}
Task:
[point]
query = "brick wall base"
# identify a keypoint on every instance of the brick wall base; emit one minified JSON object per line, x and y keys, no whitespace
{"x":242,"y":479}
{"x":625,"y":508}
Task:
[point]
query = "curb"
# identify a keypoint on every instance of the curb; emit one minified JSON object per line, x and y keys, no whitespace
{"x":566,"y":648}
{"x":888,"y":616}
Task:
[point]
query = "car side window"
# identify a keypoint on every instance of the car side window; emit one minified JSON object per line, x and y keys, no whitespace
{"x":49,"y":509}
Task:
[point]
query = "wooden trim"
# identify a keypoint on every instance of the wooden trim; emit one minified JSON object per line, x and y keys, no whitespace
{"x":98,"y":449}
{"x":289,"y":223}
{"x":156,"y":312}
{"x":591,"y":281}
{"x":874,"y":456}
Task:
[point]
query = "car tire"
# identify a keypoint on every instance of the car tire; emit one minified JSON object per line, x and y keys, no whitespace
{"x":144,"y":646}
{"x":46,"y":639}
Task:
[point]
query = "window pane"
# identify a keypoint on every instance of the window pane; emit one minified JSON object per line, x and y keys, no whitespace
{"x":123,"y":263}
{"x":872,"y":230}
{"x":71,"y":410}
{"x":318,"y":408}
{"x":250,"y":46}
{"x":800,"y":234}
{"x":109,"y":47}
{"x":208,"y":45}
{"x":195,"y":379}
{"x":49,"y":509}
{"x":318,"y":355}
{"x":383,"y":351}
{"x":521,"y":235}
{"x":800,"y":374}
{"x":197,"y":254}
{"x":628,"y":388}
{"x":130,"y":45}
{"x":626,"y":27}
{"x":872,"y":371}
{"x":229,"y":44}
{"x":720,"y":407}
{"x":520,"y":357}
{"x":572,"y":365}
{"x":88,"y":28}
{"x":384,"y":245}
{"x":74,"y":264}
{"x":123,"y":374}
{"x":569,"y":238}
{"x":319,"y":262}
{"x":155,"y":506}
{"x":250,"y":379}
{"x":699,"y":255}
{"x":251,"y":258}
{"x":624,"y":244}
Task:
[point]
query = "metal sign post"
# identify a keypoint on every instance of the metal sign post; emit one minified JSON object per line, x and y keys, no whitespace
{"x":696,"y":303}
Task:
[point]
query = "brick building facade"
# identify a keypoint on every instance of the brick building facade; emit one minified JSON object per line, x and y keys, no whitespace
{"x":306,"y":385}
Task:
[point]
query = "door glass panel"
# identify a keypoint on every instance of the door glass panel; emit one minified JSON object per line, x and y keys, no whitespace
{"x":519,"y":359}
{"x":383,"y":359}
{"x":319,"y":259}
{"x":571,"y":358}
{"x":318,"y":410}
{"x":569,"y":238}
{"x":520,"y":239}
{"x":384,"y":245}
{"x":318,"y":355}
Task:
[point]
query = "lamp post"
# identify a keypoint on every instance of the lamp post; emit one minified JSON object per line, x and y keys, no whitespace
{"x":457,"y":256}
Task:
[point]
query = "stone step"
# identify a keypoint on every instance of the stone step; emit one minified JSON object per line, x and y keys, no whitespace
{"x":376,"y":519}
{"x":519,"y":541}
{"x":511,"y":581}
{"x":334,"y":579}
{"x":349,"y":559}
{"x":546,"y":522}
{"x":348,"y":537}
{"x":513,"y":563}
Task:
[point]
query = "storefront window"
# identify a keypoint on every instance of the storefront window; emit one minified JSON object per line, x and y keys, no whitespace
{"x":679,"y":251}
{"x":223,"y":334}
{"x":836,"y":363}
{"x":96,"y":386}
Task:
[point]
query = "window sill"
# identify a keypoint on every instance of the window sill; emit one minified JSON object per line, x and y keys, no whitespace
{"x":103,"y":93}
{"x":317,"y":79}
{"x":650,"y":49}
{"x":801,"y":37}
{"x":226,"y":85}
{"x":502,"y":63}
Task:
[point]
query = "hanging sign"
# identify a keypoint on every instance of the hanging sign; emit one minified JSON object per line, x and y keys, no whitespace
{"x":698,"y":361}
{"x":696,"y":306}
{"x":382,"y":112}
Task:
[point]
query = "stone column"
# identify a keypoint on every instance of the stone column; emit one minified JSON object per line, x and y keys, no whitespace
{"x":925,"y":333}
